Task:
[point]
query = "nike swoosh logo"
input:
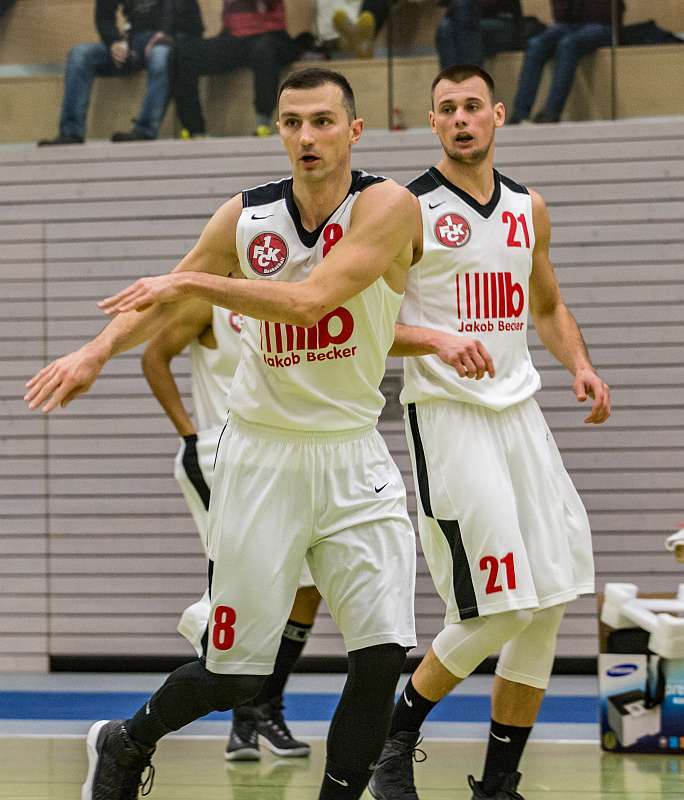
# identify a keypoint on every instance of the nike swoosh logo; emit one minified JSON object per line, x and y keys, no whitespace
{"x":504,"y":739}
{"x":436,"y":204}
{"x":147,"y":708}
{"x":254,"y":216}
{"x":378,"y":490}
{"x":407,"y":701}
{"x":342,"y":783}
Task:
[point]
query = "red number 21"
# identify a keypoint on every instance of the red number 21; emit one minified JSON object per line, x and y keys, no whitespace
{"x":491,"y":563}
{"x":509,"y":219}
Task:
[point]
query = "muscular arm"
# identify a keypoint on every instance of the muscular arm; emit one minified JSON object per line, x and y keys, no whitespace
{"x":555,"y":324}
{"x":378,"y":239}
{"x":156,"y":362}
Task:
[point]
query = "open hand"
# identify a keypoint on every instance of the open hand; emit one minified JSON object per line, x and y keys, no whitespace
{"x":142,"y":294}
{"x":588,"y":384}
{"x":63,"y":380}
{"x":469,"y":357}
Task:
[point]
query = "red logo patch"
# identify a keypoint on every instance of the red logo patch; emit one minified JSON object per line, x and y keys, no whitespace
{"x":453,"y":230}
{"x":267,"y":253}
{"x":235,"y":321}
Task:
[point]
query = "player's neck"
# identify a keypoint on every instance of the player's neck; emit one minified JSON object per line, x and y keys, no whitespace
{"x":475,"y":179}
{"x":317,"y":200}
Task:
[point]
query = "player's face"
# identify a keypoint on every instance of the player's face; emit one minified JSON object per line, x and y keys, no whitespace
{"x":316,"y":131}
{"x":464,"y":117}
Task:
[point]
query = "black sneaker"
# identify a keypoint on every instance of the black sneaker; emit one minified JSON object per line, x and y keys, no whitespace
{"x":134,"y":135}
{"x":116,"y":764}
{"x":61,"y":139}
{"x":272,"y":726}
{"x":392,"y":778}
{"x":506,"y":790}
{"x":243,"y":744}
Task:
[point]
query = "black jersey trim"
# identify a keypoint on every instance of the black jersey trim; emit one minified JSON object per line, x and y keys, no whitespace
{"x":512,"y":185}
{"x":485,"y":210}
{"x":359,"y":182}
{"x":263,"y":195}
{"x":423,"y":184}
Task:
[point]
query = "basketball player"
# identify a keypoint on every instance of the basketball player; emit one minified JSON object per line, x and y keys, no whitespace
{"x":301,"y":471}
{"x":213,"y":337}
{"x":503,"y":530}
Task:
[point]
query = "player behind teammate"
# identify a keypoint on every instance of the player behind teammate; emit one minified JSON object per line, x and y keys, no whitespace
{"x":213,"y":336}
{"x":504,"y":532}
{"x":301,"y":470}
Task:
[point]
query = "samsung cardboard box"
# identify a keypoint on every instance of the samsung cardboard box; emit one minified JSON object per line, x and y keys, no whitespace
{"x":641,"y":695}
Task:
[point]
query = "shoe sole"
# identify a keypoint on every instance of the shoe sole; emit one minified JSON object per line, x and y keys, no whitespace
{"x":291,"y":752}
{"x":243,"y":754}
{"x":93,"y":757}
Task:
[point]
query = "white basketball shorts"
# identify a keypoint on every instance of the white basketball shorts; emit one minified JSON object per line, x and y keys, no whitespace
{"x":193,"y":621}
{"x":336,"y":501}
{"x":501,"y":524}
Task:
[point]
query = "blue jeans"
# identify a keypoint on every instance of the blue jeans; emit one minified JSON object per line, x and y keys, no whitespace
{"x":85,"y":61}
{"x":569,"y":43}
{"x":464,"y":37}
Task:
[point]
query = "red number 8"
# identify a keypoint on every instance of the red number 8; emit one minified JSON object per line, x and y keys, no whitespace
{"x":331,"y":236}
{"x":224,"y":634}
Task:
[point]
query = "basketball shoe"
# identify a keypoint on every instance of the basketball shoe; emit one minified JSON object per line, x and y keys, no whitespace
{"x":505,"y":791}
{"x":265,"y":720}
{"x":392,"y":777}
{"x":116,"y":764}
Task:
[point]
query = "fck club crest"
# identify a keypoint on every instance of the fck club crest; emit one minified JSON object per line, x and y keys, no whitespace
{"x":267,"y":253}
{"x":453,"y":230}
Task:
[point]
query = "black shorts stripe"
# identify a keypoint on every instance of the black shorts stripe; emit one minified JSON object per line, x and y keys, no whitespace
{"x":464,"y":590}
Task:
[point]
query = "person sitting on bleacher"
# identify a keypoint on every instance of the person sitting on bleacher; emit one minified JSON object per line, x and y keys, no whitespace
{"x":474,"y":30}
{"x":146,"y":44}
{"x":254,"y":35}
{"x":580,"y":27}
{"x":357,"y":36}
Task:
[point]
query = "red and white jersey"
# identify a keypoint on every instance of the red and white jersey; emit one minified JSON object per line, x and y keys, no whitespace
{"x":472,"y":280}
{"x":322,"y":378}
{"x":212,"y":369}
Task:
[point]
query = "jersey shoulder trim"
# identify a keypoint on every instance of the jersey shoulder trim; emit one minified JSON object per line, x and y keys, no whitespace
{"x":422,"y":184}
{"x":512,"y":185}
{"x":362,"y":180}
{"x":266,"y":193}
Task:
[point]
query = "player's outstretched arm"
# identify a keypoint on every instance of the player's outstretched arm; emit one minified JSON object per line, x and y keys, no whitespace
{"x":469,"y":357}
{"x":555,"y":324}
{"x":378,"y":239}
{"x":65,"y":378}
{"x":162,"y":349}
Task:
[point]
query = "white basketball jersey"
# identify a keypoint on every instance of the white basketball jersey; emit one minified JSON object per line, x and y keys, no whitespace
{"x":472,"y":280}
{"x":212,"y":369}
{"x":322,"y":378}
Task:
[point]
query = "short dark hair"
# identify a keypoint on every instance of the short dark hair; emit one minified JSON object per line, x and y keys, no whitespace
{"x":461,"y":72}
{"x":313,"y":77}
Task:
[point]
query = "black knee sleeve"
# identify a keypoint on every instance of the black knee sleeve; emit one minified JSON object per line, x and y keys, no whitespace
{"x":361,"y":721}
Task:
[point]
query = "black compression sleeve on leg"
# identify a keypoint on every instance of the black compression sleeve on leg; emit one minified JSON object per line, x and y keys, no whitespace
{"x":361,"y":721}
{"x":189,"y":693}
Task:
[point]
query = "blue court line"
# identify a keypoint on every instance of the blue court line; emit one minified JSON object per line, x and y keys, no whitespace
{"x":300,"y":707}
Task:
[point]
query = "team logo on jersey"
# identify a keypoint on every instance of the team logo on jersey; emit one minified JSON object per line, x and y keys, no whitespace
{"x":267,"y":253}
{"x":236,"y":321}
{"x":453,"y":230}
{"x":321,"y":342}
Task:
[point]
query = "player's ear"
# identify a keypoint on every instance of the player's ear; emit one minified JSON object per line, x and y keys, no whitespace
{"x":431,"y":120}
{"x":499,"y":114}
{"x":355,"y":130}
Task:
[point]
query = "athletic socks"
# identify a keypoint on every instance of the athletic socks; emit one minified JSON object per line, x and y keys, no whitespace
{"x":504,"y":751}
{"x":410,"y":710}
{"x":291,"y":646}
{"x":343,"y":784}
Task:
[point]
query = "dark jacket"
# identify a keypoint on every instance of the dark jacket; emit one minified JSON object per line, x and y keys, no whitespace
{"x":168,"y":16}
{"x":581,"y":11}
{"x":492,"y":8}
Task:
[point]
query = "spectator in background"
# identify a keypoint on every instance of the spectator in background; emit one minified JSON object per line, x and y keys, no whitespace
{"x":254,"y":35}
{"x":580,"y":27}
{"x":473,"y":30}
{"x":358,"y":36}
{"x":147,"y":44}
{"x":5,"y":5}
